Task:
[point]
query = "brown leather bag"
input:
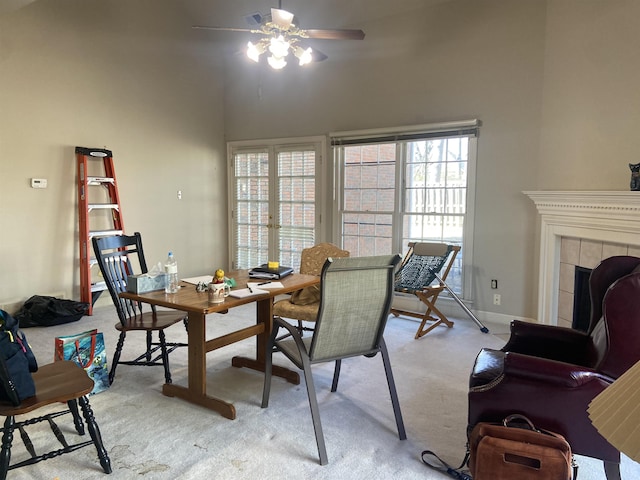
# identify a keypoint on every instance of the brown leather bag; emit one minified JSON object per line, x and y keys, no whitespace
{"x":517,"y":450}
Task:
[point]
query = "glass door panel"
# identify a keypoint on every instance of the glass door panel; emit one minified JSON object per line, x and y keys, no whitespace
{"x":251,"y":212}
{"x":275,"y":212}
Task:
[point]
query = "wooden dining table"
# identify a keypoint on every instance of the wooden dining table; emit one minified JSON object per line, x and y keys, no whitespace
{"x":197,"y":306}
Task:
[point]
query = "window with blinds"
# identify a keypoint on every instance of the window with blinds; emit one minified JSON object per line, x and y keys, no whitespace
{"x":251,"y":212}
{"x":407,"y":185}
{"x":296,"y":204}
{"x":274,"y":202}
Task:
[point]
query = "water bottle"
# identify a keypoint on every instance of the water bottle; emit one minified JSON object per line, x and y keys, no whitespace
{"x":171,"y":269}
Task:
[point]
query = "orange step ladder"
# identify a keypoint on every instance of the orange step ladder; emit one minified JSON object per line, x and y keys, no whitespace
{"x":98,"y":205}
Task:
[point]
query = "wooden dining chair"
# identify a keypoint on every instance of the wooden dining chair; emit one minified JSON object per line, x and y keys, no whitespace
{"x":354,"y":307}
{"x":116,"y":256}
{"x":61,"y":382}
{"x":303,"y":304}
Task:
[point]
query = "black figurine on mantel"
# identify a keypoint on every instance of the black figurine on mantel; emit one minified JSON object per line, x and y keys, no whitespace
{"x":635,"y":177}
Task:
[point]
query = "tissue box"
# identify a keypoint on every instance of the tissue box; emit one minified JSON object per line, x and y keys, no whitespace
{"x":144,"y":283}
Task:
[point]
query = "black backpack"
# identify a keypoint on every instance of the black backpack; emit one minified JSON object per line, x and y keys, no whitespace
{"x":41,"y":310}
{"x":17,"y":361}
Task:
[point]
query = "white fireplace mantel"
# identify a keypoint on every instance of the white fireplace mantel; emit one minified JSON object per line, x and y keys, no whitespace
{"x":606,"y":216}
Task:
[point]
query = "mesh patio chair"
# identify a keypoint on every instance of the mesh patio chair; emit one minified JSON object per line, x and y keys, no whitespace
{"x":420,"y":268}
{"x":356,"y":295}
{"x":417,"y":275}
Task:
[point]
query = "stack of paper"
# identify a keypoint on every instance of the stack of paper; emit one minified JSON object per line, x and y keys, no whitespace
{"x":264,"y":285}
{"x":247,"y":292}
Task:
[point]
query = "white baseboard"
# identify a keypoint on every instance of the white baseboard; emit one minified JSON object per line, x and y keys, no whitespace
{"x":12,"y":306}
{"x":450,"y":307}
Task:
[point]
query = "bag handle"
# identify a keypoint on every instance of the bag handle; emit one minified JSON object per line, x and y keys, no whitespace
{"x":93,"y":351}
{"x":516,"y":417}
{"x":444,"y":467}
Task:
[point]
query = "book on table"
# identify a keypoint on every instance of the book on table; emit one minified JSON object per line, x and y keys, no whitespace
{"x":263,"y":271}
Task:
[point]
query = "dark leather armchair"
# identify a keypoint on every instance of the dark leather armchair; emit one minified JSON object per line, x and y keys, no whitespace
{"x":551,"y":374}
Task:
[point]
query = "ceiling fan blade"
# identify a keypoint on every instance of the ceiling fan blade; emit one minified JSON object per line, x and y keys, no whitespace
{"x":334,"y":34}
{"x":281,"y":18}
{"x":317,"y":55}
{"x":254,"y":19}
{"x":226,"y":29}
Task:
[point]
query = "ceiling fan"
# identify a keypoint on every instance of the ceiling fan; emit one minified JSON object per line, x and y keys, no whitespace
{"x":280,"y":35}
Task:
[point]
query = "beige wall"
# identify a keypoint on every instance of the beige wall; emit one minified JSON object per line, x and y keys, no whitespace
{"x":591,"y":97}
{"x":455,"y":61}
{"x":126,"y":78}
{"x":554,"y":83}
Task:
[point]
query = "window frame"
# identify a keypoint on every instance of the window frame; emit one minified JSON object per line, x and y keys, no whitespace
{"x":272,"y":147}
{"x":401,"y":136}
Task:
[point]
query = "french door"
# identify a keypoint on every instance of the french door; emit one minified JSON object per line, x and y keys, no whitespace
{"x":273,"y":193}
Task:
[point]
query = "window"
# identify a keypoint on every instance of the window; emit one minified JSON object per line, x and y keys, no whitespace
{"x":407,"y":185}
{"x":274,"y":211}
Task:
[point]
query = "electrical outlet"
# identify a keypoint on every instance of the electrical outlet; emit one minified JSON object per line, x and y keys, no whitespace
{"x":497,"y":299}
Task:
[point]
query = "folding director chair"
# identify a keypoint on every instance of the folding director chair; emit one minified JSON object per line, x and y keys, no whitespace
{"x":418,"y":271}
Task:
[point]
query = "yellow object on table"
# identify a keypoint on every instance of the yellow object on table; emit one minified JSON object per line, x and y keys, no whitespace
{"x":218,"y":277}
{"x":273,"y":265}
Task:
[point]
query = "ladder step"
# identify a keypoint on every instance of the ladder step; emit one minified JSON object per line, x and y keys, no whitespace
{"x":98,"y":286}
{"x":93,"y":152}
{"x":103,"y":206}
{"x":99,"y":180}
{"x":104,"y":233}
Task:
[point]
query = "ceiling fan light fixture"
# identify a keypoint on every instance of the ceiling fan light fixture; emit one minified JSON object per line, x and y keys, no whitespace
{"x":281,"y":18}
{"x":279,"y":47}
{"x":254,"y":50}
{"x":276,"y":63}
{"x":280,"y":34}
{"x":303,"y":55}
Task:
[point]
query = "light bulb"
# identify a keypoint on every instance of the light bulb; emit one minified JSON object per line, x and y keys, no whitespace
{"x":279,"y":47}
{"x":254,"y":51}
{"x":304,"y":56}
{"x":276,"y":62}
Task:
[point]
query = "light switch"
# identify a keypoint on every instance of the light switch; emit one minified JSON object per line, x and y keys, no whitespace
{"x":38,"y":183}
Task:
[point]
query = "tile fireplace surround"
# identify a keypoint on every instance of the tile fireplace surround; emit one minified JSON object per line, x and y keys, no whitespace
{"x":580,"y":228}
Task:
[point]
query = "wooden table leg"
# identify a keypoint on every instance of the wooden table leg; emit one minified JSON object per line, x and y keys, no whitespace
{"x":264,"y":314}
{"x":196,"y":392}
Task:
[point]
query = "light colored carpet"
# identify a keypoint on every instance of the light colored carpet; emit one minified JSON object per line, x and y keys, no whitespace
{"x":152,"y":436}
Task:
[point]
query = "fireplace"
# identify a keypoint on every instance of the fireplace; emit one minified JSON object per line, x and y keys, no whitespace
{"x":596,"y":225}
{"x":581,"y":300}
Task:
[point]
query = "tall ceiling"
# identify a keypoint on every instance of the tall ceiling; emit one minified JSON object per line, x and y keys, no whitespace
{"x":311,"y":13}
{"x":316,"y":13}
{"x":320,"y":14}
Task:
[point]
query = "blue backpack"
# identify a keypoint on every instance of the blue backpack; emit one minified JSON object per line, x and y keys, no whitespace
{"x":17,"y":361}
